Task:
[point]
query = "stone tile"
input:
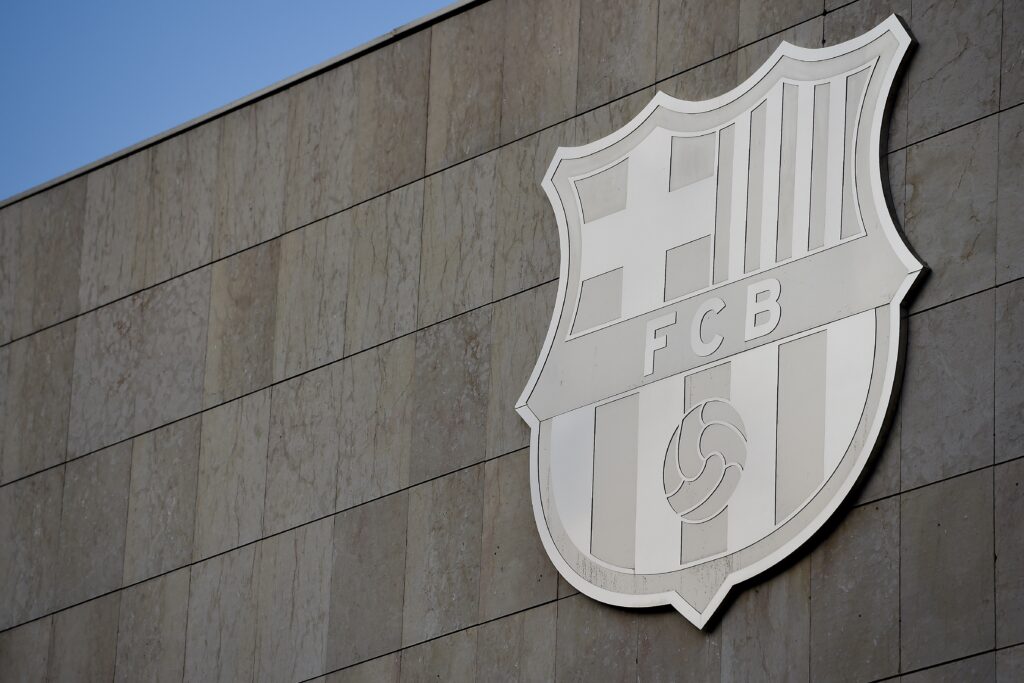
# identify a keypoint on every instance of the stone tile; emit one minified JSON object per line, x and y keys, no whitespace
{"x":766,"y":632}
{"x":162,"y":502}
{"x":376,"y":422}
{"x":520,"y":647}
{"x":168,"y":383}
{"x":808,"y":33}
{"x":1011,"y":81}
{"x":452,"y":658}
{"x":243,"y":301}
{"x":383,"y":284}
{"x":618,"y":48}
{"x":896,"y":168}
{"x":320,"y":146}
{"x":92,"y":526}
{"x":464,"y":111}
{"x":703,"y":82}
{"x":758,"y":18}
{"x":1009,"y":373}
{"x":151,"y":635}
{"x":946,"y":578}
{"x":115,"y":230}
{"x":391,"y":115}
{"x":526,"y":240}
{"x":881,"y":477}
{"x":595,"y":641}
{"x":954,"y":76}
{"x":312,"y":286}
{"x":951,"y":211}
{"x":595,"y":124}
{"x":691,"y":32}
{"x":84,"y":641}
{"x":459,"y":227}
{"x":1009,"y":558}
{"x":453,"y":369}
{"x":518,"y":327}
{"x":10,"y":228}
{"x":515,"y":572}
{"x":368,"y":581}
{"x":302,"y":461}
{"x":855,"y":597}
{"x":232,"y":475}
{"x":385,"y":669}
{"x":1010,"y":664}
{"x":24,"y":651}
{"x":539,"y":66}
{"x":45,"y":233}
{"x":183,"y":202}
{"x":948,"y":381}
{"x":1010,"y":227}
{"x":107,"y":347}
{"x":221,"y":633}
{"x":671,"y":649}
{"x":442,"y":579}
{"x":36,"y":392}
{"x":29,"y":535}
{"x":856,"y":18}
{"x":565,"y":589}
{"x":251,"y":172}
{"x":293,"y":584}
{"x":980,"y":668}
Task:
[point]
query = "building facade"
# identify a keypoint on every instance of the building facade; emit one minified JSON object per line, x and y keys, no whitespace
{"x":258,"y":375}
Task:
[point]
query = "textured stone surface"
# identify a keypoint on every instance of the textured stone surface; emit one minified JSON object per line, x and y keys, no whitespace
{"x":151,"y":635}
{"x":980,"y":668}
{"x":520,"y":647}
{"x":85,"y":641}
{"x":881,"y":477}
{"x":1010,"y":229}
{"x":954,"y":77}
{"x":35,"y":390}
{"x":92,"y":525}
{"x":367,"y":581}
{"x":595,"y":641}
{"x":947,"y":395}
{"x":449,"y":424}
{"x":30,"y":534}
{"x":302,"y":461}
{"x":1011,"y":82}
{"x":1010,"y":664}
{"x":24,"y":651}
{"x":383,"y":284}
{"x":232,"y":474}
{"x":691,"y":32}
{"x":766,"y":631}
{"x":669,"y":648}
{"x":385,"y":669}
{"x":459,"y":226}
{"x":515,"y":572}
{"x":526,"y":239}
{"x":250,"y":178}
{"x":376,"y":420}
{"x":162,"y":500}
{"x":946,"y":582}
{"x":758,"y":19}
{"x":951,"y":211}
{"x":452,"y":658}
{"x":1009,"y":379}
{"x":518,"y":327}
{"x":293,"y":585}
{"x":221,"y":642}
{"x":855,"y":597}
{"x":539,"y":66}
{"x":464,"y":121}
{"x":595,"y":124}
{"x":618,"y":45}
{"x":1009,"y":511}
{"x":312,"y":287}
{"x":442,"y":581}
{"x":115,"y":230}
{"x":240,"y":347}
{"x":183,"y":203}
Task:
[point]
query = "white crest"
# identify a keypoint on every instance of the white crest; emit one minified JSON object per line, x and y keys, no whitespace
{"x":727,"y":334}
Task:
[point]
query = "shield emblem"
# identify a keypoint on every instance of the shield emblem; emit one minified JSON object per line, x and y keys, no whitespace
{"x":727,"y":334}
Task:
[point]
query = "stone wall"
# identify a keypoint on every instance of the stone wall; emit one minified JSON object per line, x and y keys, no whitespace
{"x":256,"y":380}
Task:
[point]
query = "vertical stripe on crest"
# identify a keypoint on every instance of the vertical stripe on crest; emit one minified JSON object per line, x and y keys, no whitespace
{"x":723,"y":204}
{"x":613,"y":526}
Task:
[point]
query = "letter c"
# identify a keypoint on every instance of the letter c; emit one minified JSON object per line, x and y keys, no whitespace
{"x":700,"y":347}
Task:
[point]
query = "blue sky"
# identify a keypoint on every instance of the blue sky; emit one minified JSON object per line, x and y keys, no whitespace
{"x":81,"y":80}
